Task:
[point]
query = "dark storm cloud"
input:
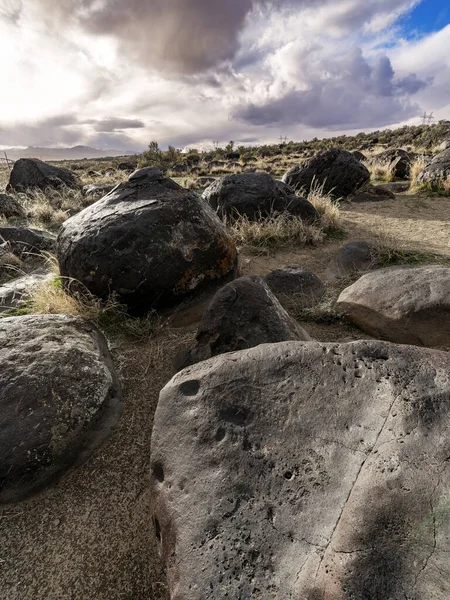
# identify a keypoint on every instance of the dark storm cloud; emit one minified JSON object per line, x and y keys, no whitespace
{"x":354,"y":94}
{"x":116,"y":124}
{"x":190,"y":36}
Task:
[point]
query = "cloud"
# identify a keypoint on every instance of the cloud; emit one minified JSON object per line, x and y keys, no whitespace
{"x":116,"y":124}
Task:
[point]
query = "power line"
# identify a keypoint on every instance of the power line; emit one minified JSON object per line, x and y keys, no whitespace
{"x":427,"y":119}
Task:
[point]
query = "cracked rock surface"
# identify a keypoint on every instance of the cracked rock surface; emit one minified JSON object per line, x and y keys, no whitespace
{"x":306,"y":471}
{"x":59,"y":399}
{"x":149,"y":241}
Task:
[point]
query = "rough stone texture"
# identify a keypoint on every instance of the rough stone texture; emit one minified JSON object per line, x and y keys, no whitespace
{"x":397,"y":159}
{"x":353,"y":257}
{"x":59,"y":398}
{"x":126,"y":166}
{"x":359,"y":155}
{"x":30,"y":173}
{"x":150,"y":241}
{"x":243,"y":314}
{"x":340,"y":173}
{"x":180,"y":168}
{"x":408,"y":305}
{"x":294,"y":285}
{"x":24,"y":239}
{"x":397,"y":187}
{"x":9,"y":207}
{"x":436,"y":170}
{"x":95,"y":189}
{"x":372,"y":193}
{"x":256,"y":195}
{"x":205,"y":181}
{"x":306,"y":471}
{"x":14,"y":293}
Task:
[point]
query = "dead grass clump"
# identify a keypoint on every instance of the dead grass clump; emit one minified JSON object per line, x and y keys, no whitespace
{"x":416,"y":167}
{"x":274,"y":233}
{"x":66,"y":296}
{"x":326,"y":206}
{"x":389,"y":252}
{"x":380,"y":171}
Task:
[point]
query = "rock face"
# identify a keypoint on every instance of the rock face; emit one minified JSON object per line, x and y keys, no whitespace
{"x":9,"y":207}
{"x":150,"y":241}
{"x":24,"y":239}
{"x":256,"y":195}
{"x":14,"y":293}
{"x":359,"y":155}
{"x":398,"y":160}
{"x":340,"y":173}
{"x":408,"y":305}
{"x":30,"y":173}
{"x":306,"y":470}
{"x":59,"y":399}
{"x":353,"y":257}
{"x":295,"y":285}
{"x":436,"y":170}
{"x":96,"y":189}
{"x":372,"y":193}
{"x":243,"y":314}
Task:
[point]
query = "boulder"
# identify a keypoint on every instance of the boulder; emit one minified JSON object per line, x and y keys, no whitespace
{"x":256,"y":195}
{"x":126,"y":166}
{"x":359,"y":155}
{"x":180,"y":168}
{"x":98,"y":189}
{"x":372,"y":193}
{"x":436,"y":171}
{"x":24,"y":239}
{"x":205,"y":181}
{"x":59,"y":398}
{"x":150,"y":241}
{"x":29,"y":173}
{"x":9,"y":207}
{"x":407,"y":305}
{"x":243,"y":314}
{"x":351,"y":258}
{"x":396,"y":187}
{"x":338,"y":171}
{"x":398,"y":161}
{"x":295,"y":286}
{"x":306,"y":471}
{"x":14,"y":293}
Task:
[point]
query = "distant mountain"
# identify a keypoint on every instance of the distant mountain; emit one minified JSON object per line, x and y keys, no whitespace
{"x":75,"y":153}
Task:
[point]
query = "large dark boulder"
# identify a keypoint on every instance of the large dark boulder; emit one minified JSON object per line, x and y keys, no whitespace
{"x":10,"y":207}
{"x":397,"y":160}
{"x":243,"y":314}
{"x":306,"y":471}
{"x":436,"y":171}
{"x":295,"y":286}
{"x":59,"y":399}
{"x":407,"y":305}
{"x":24,"y":239}
{"x":149,"y":241}
{"x":338,"y":171}
{"x":29,"y":173}
{"x":256,"y":195}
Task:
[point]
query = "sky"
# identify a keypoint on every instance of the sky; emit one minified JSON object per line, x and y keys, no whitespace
{"x":119,"y":74}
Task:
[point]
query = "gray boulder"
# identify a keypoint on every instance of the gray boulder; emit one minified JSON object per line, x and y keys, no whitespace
{"x":338,"y":171}
{"x":10,"y":207}
{"x":205,"y":181}
{"x":24,"y":239}
{"x":29,"y":173}
{"x":307,"y":471}
{"x":408,"y":305}
{"x":126,"y":166}
{"x":372,"y":193}
{"x":351,"y":258}
{"x":398,"y":161}
{"x":180,"y":168}
{"x":396,"y":187}
{"x":59,"y":398}
{"x":436,"y":171}
{"x":256,"y":195}
{"x":150,"y":241}
{"x":295,"y":286}
{"x":14,"y":293}
{"x":243,"y":314}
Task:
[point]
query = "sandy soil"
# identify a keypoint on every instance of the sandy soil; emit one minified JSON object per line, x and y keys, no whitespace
{"x":91,"y":537}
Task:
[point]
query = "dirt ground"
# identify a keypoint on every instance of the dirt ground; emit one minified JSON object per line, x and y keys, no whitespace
{"x":91,"y":536}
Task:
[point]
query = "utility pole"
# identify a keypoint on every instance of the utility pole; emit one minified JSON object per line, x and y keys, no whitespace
{"x":283,"y":139}
{"x":427,"y":119}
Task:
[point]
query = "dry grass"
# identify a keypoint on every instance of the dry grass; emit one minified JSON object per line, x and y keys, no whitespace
{"x":380,"y":171}
{"x":326,"y":206}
